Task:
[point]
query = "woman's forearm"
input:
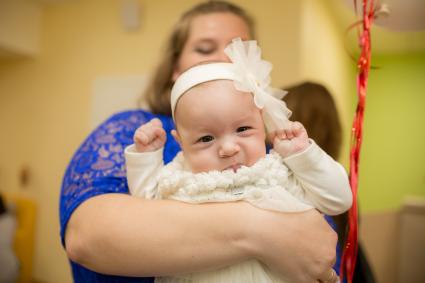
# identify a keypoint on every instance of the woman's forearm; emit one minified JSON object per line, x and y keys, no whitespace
{"x":123,"y":235}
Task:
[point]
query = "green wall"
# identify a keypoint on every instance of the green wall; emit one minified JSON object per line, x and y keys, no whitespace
{"x":392,"y":162}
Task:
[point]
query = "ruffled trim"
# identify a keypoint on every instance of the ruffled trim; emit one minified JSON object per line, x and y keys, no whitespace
{"x":269,"y":171}
{"x":253,"y":75}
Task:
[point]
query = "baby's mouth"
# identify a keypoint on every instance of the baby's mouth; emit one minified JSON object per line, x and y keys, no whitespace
{"x":233,"y":167}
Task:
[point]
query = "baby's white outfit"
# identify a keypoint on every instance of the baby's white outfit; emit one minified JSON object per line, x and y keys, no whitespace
{"x":303,"y":181}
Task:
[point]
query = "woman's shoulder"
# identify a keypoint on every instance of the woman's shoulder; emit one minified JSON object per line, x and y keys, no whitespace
{"x":135,"y":116}
{"x":127,"y":117}
{"x":123,"y":124}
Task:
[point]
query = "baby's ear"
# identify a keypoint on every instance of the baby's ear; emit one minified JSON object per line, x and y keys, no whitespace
{"x":176,"y":136}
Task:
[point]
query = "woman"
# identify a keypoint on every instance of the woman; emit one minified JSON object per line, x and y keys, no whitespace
{"x":105,"y":230}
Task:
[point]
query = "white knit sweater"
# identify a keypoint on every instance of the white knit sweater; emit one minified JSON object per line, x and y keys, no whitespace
{"x":310,"y":179}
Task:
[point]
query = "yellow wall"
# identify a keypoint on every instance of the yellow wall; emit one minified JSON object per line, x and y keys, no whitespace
{"x":325,"y":60}
{"x":45,"y":101}
{"x":19,"y":27}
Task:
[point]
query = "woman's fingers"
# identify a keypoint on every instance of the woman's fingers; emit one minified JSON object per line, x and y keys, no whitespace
{"x":330,"y":277}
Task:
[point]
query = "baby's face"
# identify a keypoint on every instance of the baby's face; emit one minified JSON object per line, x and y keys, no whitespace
{"x":219,"y":128}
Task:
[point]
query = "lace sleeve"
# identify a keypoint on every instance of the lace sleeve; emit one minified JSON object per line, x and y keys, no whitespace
{"x":98,"y":166}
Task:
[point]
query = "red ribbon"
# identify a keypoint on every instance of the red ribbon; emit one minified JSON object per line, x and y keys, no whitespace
{"x":349,"y":256}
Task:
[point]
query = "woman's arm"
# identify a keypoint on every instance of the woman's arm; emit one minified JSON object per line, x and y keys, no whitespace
{"x":153,"y":238}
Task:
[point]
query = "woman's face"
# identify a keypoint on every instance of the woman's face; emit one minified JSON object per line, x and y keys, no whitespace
{"x":208,"y":36}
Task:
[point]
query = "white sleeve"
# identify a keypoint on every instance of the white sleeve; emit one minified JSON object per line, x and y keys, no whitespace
{"x":142,"y":171}
{"x":323,"y":181}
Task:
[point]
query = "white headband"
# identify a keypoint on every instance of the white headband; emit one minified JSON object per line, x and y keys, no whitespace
{"x":248,"y":72}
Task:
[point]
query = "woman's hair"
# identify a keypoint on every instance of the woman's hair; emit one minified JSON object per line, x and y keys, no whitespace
{"x":313,"y":106}
{"x":157,"y":93}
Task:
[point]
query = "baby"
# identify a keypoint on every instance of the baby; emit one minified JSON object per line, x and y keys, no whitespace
{"x":222,"y":112}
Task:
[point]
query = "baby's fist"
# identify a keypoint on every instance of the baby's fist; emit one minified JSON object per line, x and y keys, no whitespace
{"x":290,"y":139}
{"x":150,"y":136}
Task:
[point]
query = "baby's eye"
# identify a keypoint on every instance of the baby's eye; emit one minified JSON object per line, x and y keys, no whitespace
{"x":243,"y":129}
{"x":205,"y":139}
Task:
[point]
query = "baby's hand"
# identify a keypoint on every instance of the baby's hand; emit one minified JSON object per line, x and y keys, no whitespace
{"x":150,"y":136}
{"x":291,"y":139}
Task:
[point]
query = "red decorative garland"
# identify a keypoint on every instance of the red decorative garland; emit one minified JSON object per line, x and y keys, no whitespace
{"x":349,"y":255}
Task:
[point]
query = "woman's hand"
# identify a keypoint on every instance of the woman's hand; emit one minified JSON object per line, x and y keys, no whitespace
{"x":299,"y":246}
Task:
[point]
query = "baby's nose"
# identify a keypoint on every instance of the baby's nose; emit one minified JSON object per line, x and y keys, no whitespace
{"x":229,"y":148}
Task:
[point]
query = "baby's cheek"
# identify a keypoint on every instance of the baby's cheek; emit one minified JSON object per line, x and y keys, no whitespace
{"x":258,"y":151}
{"x":202,"y":163}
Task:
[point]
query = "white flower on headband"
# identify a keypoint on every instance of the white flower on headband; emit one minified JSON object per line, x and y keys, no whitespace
{"x":253,"y":75}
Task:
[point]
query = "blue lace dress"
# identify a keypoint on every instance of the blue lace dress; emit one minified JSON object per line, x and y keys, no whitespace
{"x":98,"y":167}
